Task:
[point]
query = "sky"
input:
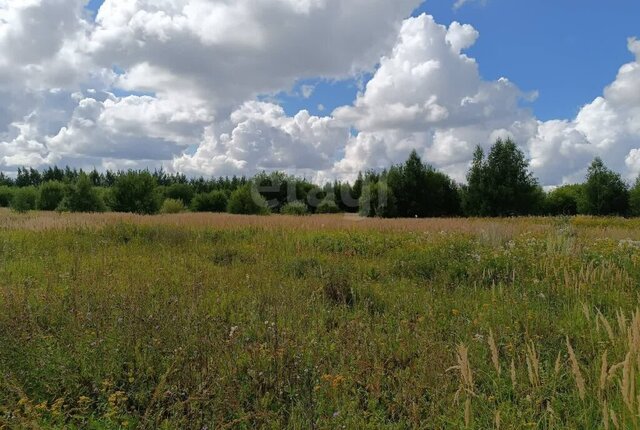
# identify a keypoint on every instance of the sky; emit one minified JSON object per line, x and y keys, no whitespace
{"x":318,"y":88}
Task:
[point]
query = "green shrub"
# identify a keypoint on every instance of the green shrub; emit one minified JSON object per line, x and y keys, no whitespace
{"x":50,"y":195}
{"x":295,"y":208}
{"x":6,"y":194}
{"x":634,"y":199}
{"x":247,"y":201}
{"x":564,"y":200}
{"x":82,"y":197}
{"x":605,"y":193}
{"x":327,"y":207}
{"x":215,"y":201}
{"x":182,"y":192}
{"x":172,"y":206}
{"x":24,"y":199}
{"x":106,"y":195}
{"x":135,"y":192}
{"x":377,"y":200}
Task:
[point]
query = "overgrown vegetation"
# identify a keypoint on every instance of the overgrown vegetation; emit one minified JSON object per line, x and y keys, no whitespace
{"x":499,"y":184}
{"x":202,"y":321}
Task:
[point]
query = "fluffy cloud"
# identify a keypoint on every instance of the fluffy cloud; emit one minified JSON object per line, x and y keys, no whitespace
{"x":263,"y":137}
{"x":608,"y":127}
{"x":428,"y":95}
{"x":201,"y":58}
{"x":230,"y":52}
{"x":40,"y":43}
{"x":195,"y":69}
{"x":133,"y":127}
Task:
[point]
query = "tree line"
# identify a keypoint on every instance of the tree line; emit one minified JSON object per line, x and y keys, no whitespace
{"x":498,"y":184}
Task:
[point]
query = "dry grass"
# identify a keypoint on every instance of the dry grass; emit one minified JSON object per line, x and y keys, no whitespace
{"x":112,"y":321}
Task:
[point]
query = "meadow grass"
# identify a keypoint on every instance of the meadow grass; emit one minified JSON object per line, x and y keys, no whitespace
{"x":215,"y":321}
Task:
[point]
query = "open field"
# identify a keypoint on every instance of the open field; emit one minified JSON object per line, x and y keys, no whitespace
{"x":214,"y":321}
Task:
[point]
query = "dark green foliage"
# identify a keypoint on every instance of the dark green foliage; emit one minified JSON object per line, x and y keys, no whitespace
{"x":421,"y":191}
{"x":50,"y":195}
{"x":295,"y":208}
{"x":377,"y":200}
{"x":327,"y":206}
{"x":345,"y":196}
{"x":565,"y":200}
{"x":6,"y":194}
{"x":634,"y":199}
{"x":82,"y":197}
{"x":135,"y":192}
{"x":106,"y":195}
{"x":6,"y":180}
{"x":28,"y":177}
{"x":413,"y":190}
{"x":246,"y":200}
{"x":183,"y":192}
{"x":53,"y":174}
{"x":24,"y":199}
{"x":278,"y":189}
{"x":502,"y":185}
{"x":215,"y":201}
{"x":605,"y":192}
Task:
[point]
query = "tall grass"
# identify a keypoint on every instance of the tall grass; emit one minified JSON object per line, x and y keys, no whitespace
{"x":213,"y":321}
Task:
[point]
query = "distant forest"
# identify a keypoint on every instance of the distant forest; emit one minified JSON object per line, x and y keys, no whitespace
{"x":498,"y":184}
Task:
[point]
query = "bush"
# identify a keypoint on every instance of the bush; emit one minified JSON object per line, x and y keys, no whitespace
{"x":50,"y":195}
{"x":106,"y":195}
{"x":82,"y":197}
{"x":377,"y":200}
{"x":564,"y":200}
{"x":172,"y":206}
{"x":215,"y":201}
{"x":634,"y":199}
{"x":182,"y":192}
{"x":295,"y":208}
{"x":135,"y":192}
{"x":6,"y":194}
{"x":247,"y":201}
{"x":24,"y":199}
{"x":327,"y":207}
{"x":605,"y":192}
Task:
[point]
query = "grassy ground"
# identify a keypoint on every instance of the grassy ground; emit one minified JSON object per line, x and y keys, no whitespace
{"x":204,"y":321}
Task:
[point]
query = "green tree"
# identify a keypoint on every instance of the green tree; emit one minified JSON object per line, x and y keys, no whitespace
{"x":246,"y":200}
{"x":183,"y":192}
{"x":82,"y":197}
{"x":605,"y":192}
{"x":50,"y":194}
{"x":6,"y":194}
{"x":634,"y":199}
{"x":24,"y":199}
{"x":135,"y":192}
{"x":421,"y":191}
{"x":172,"y":206}
{"x":377,"y":200}
{"x":327,"y":206}
{"x":564,"y":200}
{"x":215,"y":201}
{"x":502,"y":185}
{"x":295,"y":208}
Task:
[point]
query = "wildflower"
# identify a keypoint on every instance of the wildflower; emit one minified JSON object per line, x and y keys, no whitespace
{"x":56,"y":408}
{"x":83,"y":401}
{"x":455,"y":312}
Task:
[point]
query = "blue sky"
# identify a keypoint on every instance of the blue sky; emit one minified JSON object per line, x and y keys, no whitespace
{"x":566,"y":50}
